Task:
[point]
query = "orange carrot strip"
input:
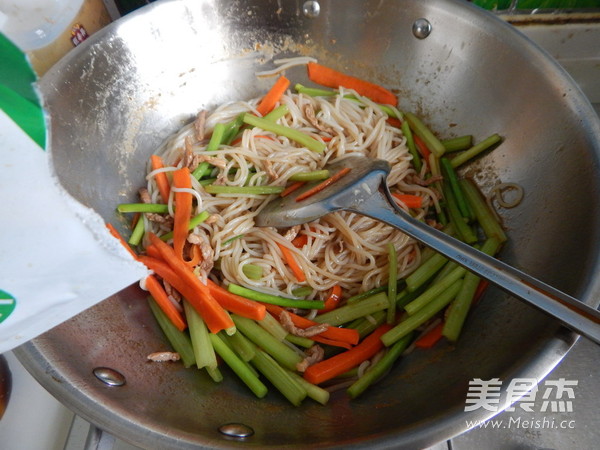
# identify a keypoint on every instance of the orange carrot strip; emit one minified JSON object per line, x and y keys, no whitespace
{"x":300,"y":241}
{"x":333,"y":299}
{"x":322,"y":340}
{"x":196,"y":256}
{"x":152,"y":251}
{"x":325,"y":183}
{"x":481,"y":288}
{"x":429,"y":339}
{"x":272,"y":97}
{"x":236,"y":304}
{"x":183,"y":209}
{"x":411,"y":201}
{"x":162,"y":182}
{"x":162,"y":299}
{"x":198,"y":294}
{"x":291,"y":188}
{"x":326,"y":76}
{"x":292,"y":263}
{"x":394,"y":122}
{"x":340,"y":363}
{"x":116,"y":234}
{"x":135,"y":219}
{"x":347,"y":335}
{"x":421,"y":146}
{"x":163,"y":270}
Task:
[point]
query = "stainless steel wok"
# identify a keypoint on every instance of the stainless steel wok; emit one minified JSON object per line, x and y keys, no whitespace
{"x":117,"y":96}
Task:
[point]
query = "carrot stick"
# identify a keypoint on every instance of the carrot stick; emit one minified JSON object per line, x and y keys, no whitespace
{"x":326,"y":76}
{"x":411,"y":201}
{"x":429,"y":339}
{"x":292,"y":263}
{"x":300,"y":241}
{"x":340,"y":363}
{"x":291,"y":188}
{"x":152,"y":251}
{"x":333,"y":300}
{"x":236,"y":304}
{"x":197,"y":294}
{"x":162,"y":299}
{"x":271,"y":98}
{"x":394,"y":122}
{"x":117,"y":235}
{"x":196,"y":256}
{"x":162,"y":182}
{"x":328,"y":182}
{"x":183,"y":210}
{"x":322,"y":340}
{"x":348,"y":335}
{"x":481,"y":288}
{"x":421,"y":146}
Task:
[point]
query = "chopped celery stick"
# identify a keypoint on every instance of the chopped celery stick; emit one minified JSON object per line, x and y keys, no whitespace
{"x":463,"y":157}
{"x":207,"y":181}
{"x":279,"y":377}
{"x":458,"y":143}
{"x":482,"y":211}
{"x":252,"y":271}
{"x":194,"y":222}
{"x":310,"y":176}
{"x":301,"y":138}
{"x":302,"y":291}
{"x":299,"y":341}
{"x":380,"y":368}
{"x":227,"y":339}
{"x":412,"y":148}
{"x":435,"y":290}
{"x":202,"y":170}
{"x":355,"y":310}
{"x":179,"y":340}
{"x":203,"y":349}
{"x":138,"y":232}
{"x":459,"y":308}
{"x":241,"y":345}
{"x":272,"y":325}
{"x":314,"y":92}
{"x":313,"y":391}
{"x":238,"y":366}
{"x":276,"y":114}
{"x":157,"y":208}
{"x":462,"y":227}
{"x":425,"y":271}
{"x":232,"y":129}
{"x":421,"y":130}
{"x":411,"y":323}
{"x":215,"y":374}
{"x":366,"y":325}
{"x":283,"y":354}
{"x":392,"y":283}
{"x":450,"y":174}
{"x":363,"y":295}
{"x":274,"y":299}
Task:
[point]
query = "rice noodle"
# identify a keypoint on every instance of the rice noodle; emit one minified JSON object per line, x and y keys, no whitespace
{"x":342,"y":248}
{"x":284,"y":64}
{"x":498,"y":193}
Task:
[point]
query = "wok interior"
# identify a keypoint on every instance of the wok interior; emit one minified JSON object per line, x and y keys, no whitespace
{"x":117,"y":97}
